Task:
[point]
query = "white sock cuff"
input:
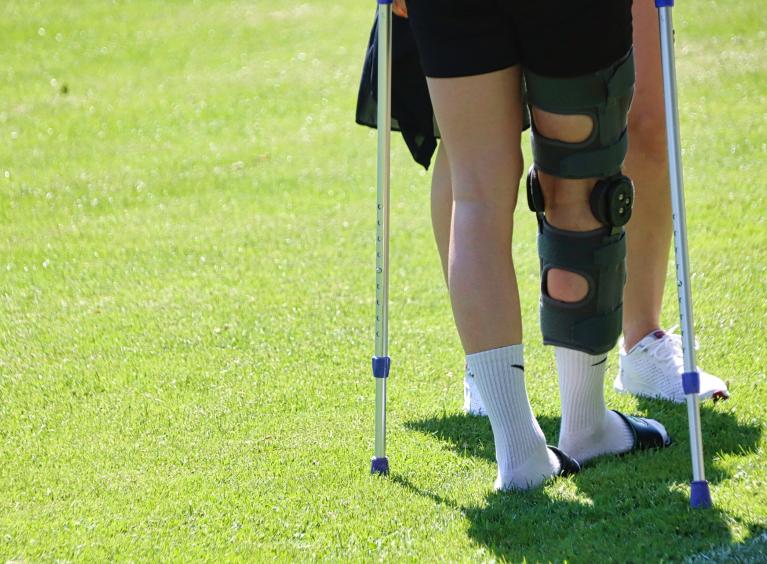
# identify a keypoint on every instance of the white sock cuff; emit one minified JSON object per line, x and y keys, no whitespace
{"x":497,"y":361}
{"x":581,"y":389}
{"x":570,"y":358}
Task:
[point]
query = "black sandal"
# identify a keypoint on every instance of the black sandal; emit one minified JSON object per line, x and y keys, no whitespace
{"x":567,"y":464}
{"x":645,"y":435}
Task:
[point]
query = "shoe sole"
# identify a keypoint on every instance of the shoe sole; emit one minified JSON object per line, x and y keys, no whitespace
{"x":636,"y":389}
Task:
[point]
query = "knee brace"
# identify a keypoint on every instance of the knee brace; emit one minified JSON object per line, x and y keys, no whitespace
{"x":605,"y":97}
{"x":593,"y":324}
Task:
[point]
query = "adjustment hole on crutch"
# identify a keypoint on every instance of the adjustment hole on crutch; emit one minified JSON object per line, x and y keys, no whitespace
{"x":565,"y":286}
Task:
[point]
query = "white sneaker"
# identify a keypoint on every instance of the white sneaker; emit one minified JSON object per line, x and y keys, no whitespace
{"x":654,"y":367}
{"x":472,"y":403}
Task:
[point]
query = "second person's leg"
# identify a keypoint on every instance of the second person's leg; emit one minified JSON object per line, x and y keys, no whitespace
{"x":651,"y":359}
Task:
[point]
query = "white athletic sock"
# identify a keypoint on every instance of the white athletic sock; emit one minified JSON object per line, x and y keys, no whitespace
{"x":523,"y":459}
{"x":588,"y":428}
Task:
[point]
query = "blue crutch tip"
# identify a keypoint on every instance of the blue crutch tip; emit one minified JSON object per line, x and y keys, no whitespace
{"x":700,"y":495}
{"x":380,"y":466}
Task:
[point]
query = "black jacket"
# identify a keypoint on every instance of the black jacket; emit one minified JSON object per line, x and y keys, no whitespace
{"x":412,"y":113}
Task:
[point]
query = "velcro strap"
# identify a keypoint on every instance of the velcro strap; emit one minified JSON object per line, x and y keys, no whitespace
{"x":561,"y":95}
{"x":569,"y":160}
{"x":622,"y":81}
{"x":599,"y":163}
{"x":612,"y":253}
{"x":556,"y":248}
{"x":597,"y":334}
{"x":601,"y":324}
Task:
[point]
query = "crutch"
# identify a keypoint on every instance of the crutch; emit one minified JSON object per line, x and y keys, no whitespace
{"x":381,"y":360}
{"x":700,"y":496}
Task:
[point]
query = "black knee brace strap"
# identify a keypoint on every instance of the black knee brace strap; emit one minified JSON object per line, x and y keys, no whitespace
{"x":605,"y":97}
{"x":593,"y":324}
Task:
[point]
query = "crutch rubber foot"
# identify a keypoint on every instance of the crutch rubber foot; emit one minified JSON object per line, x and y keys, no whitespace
{"x":700,"y":495}
{"x":380,"y":466}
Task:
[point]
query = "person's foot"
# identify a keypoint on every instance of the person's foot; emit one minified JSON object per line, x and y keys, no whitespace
{"x":524,"y":461}
{"x":540,"y":467}
{"x":654,"y":366}
{"x":616,"y":434}
{"x":472,"y":402}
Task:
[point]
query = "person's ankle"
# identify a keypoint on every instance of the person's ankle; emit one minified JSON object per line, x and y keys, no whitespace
{"x":635,"y":333}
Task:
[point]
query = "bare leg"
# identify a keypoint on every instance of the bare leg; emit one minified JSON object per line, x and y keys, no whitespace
{"x":441,"y":205}
{"x":649,"y":231}
{"x":480,"y":119}
{"x":654,"y":372}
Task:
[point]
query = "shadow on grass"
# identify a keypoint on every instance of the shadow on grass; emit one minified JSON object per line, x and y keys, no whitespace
{"x":632,"y":508}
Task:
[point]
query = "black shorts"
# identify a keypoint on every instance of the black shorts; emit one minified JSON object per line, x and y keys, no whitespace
{"x":558,"y":38}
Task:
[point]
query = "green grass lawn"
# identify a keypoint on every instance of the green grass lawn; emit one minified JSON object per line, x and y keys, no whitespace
{"x":187,"y":218}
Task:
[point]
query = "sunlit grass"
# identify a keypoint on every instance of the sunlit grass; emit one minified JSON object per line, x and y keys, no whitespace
{"x":186,"y":305}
